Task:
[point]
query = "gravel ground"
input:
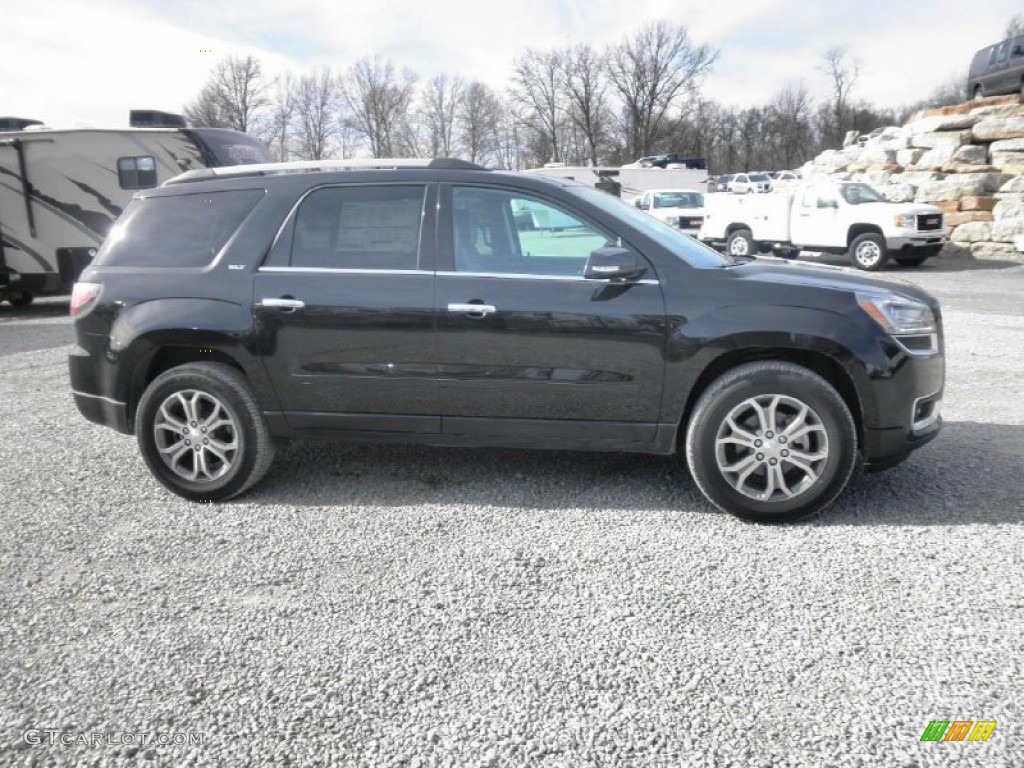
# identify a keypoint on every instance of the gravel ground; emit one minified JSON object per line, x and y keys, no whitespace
{"x":407,"y":606}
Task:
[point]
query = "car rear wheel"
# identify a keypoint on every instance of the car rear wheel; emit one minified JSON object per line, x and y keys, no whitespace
{"x":741,"y":244}
{"x":202,"y":433}
{"x":771,"y":442}
{"x":979,"y":94}
{"x":869,"y":252}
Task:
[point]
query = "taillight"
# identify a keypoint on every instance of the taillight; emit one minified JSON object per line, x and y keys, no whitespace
{"x":84,"y":294}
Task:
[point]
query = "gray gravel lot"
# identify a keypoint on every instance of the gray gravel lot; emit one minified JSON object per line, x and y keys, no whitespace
{"x":407,"y":606}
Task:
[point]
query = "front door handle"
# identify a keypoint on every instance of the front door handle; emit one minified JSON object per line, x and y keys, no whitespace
{"x":286,"y":304}
{"x":473,"y":308}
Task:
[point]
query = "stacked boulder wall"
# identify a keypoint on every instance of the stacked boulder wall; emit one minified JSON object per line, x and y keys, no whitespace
{"x":968,"y":159}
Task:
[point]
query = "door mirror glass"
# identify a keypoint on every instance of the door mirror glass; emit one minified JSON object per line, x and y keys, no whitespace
{"x":614,"y":263}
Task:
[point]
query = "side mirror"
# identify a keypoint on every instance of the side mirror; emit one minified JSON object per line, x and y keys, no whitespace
{"x":614,"y":263}
{"x":828,"y":204}
{"x":637,"y":203}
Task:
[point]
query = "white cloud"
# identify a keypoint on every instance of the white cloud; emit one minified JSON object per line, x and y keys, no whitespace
{"x":73,"y":63}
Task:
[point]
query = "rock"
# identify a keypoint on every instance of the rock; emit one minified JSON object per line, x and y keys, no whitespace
{"x":907,"y":157}
{"x":1007,"y":230}
{"x":1002,"y":251}
{"x":917,"y":178}
{"x":1007,"y":160}
{"x":961,"y":168}
{"x":998,"y":128}
{"x":948,"y":206}
{"x":1007,"y":145}
{"x":877,"y":156}
{"x":959,"y":185}
{"x":1015,"y":185}
{"x":898,"y":192}
{"x":895,"y":142}
{"x":967,"y":217}
{"x":971,"y":154}
{"x":850,"y":139}
{"x":935,"y":159}
{"x":936,"y":123}
{"x":976,"y":231}
{"x":941,"y":139}
{"x":877,"y":178}
{"x":1018,"y":243}
{"x":1008,"y":209}
{"x":971,"y":203}
{"x":1006,"y":109}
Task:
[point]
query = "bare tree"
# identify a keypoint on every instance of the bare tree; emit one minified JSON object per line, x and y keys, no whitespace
{"x":586,"y":86}
{"x":479,"y":115}
{"x":317,"y":98}
{"x":438,"y":110}
{"x":789,"y":127}
{"x":281,"y":113}
{"x":1015,"y":26}
{"x":653,"y":70}
{"x":842,"y":72}
{"x":378,"y":99}
{"x":234,"y":96}
{"x":538,"y":85}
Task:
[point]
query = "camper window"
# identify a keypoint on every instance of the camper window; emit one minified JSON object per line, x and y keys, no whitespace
{"x":136,"y":172}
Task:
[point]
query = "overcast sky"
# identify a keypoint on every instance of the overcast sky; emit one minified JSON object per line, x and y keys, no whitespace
{"x":87,"y":63}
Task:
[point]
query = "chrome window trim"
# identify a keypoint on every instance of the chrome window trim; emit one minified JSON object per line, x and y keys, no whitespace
{"x":342,"y":271}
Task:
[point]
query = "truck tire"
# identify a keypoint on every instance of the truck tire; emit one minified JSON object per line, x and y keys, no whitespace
{"x":202,"y":433}
{"x":741,"y":244}
{"x":869,"y":252}
{"x":22,"y":299}
{"x":911,"y":261}
{"x":771,"y":442}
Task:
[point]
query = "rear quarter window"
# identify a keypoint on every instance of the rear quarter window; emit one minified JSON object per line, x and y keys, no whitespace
{"x":176,"y":231}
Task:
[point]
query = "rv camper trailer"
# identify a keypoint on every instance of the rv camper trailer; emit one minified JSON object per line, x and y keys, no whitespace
{"x":61,"y":190}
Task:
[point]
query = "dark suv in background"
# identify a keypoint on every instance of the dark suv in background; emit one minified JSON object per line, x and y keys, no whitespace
{"x":997,"y":69}
{"x":437,"y":302}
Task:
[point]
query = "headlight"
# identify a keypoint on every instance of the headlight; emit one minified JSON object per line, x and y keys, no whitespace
{"x":906,"y":221}
{"x":898,"y":315}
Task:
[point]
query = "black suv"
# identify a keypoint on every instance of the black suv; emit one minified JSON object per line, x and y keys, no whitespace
{"x":438,"y":302}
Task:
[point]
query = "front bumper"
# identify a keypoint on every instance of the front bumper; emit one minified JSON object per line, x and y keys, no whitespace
{"x":916,"y":240}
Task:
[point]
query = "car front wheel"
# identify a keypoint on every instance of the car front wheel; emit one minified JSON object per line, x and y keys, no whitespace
{"x":771,"y":442}
{"x":202,"y":433}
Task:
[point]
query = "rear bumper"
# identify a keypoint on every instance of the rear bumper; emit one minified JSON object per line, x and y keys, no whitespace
{"x":102,"y":410}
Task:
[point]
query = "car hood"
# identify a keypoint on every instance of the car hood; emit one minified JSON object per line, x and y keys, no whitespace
{"x":825,"y":276}
{"x":672,"y":212}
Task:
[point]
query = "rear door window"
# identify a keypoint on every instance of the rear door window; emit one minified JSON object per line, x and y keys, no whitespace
{"x":176,"y":230}
{"x":359,"y":227}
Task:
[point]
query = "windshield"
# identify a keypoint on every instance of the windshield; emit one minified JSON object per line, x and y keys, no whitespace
{"x":758,"y":177}
{"x":858,"y":193}
{"x":683,"y":246}
{"x":679,"y":200}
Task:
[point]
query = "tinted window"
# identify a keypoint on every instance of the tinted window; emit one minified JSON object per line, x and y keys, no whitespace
{"x":176,"y":231}
{"x":1018,"y":48}
{"x":359,"y":227}
{"x":668,"y":237}
{"x":1004,"y":49}
{"x":136,"y":172}
{"x":679,"y":200}
{"x":501,"y":232}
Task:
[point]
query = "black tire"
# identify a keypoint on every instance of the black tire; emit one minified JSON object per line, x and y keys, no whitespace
{"x":741,"y":244}
{"x":869,"y":252}
{"x":225,"y":386}
{"x":911,"y":261}
{"x":22,"y":299}
{"x":979,"y":94}
{"x":794,"y":385}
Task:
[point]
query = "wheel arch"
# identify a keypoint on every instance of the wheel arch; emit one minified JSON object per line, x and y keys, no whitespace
{"x":856,"y":230}
{"x":818,"y":362}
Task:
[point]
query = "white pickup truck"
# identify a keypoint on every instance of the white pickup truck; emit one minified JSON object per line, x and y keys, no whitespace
{"x":833,"y":217}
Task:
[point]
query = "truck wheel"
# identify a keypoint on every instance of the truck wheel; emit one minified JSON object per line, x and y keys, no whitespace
{"x":911,"y":261}
{"x":771,"y":442}
{"x":202,"y":433}
{"x":869,"y":252}
{"x":22,"y":299}
{"x":741,"y":244}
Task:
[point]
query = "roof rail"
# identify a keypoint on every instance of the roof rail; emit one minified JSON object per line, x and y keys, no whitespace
{"x":313,"y":166}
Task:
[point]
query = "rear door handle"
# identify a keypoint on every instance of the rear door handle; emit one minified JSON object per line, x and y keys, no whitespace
{"x":480,"y":310}
{"x":286,"y":304}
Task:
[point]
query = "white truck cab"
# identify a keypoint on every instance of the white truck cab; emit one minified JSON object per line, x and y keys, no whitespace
{"x":832,"y":217}
{"x":682,"y":208}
